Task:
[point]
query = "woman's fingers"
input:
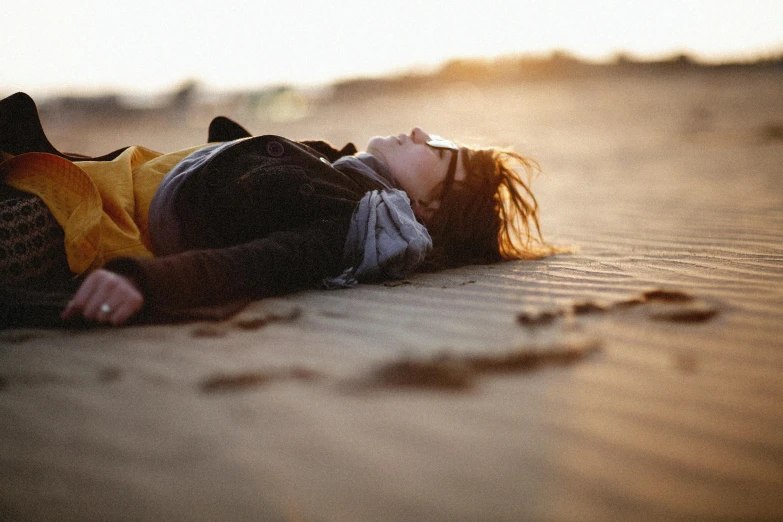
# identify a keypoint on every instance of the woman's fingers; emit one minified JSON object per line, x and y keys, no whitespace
{"x":80,"y":300}
{"x":120,"y":313}
{"x":105,"y":297}
{"x":105,"y":292}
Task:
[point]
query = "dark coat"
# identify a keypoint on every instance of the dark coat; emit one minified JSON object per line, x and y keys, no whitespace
{"x":265,"y":216}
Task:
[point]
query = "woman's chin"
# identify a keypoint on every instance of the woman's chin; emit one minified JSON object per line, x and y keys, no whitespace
{"x":375,"y":147}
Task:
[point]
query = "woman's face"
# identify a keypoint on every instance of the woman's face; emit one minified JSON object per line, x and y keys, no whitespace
{"x":419,"y":168}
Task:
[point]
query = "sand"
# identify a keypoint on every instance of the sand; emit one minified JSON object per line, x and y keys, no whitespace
{"x":638,"y":378}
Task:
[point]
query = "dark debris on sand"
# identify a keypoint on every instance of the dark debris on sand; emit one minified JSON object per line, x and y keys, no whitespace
{"x":538,"y":317}
{"x":17,"y":337}
{"x":669,"y":296}
{"x":665,"y":304}
{"x":772,"y":131}
{"x":253,"y":321}
{"x":240,"y":381}
{"x":459,"y":372}
{"x":691,"y":313}
{"x":397,"y":282}
{"x":248,"y":321}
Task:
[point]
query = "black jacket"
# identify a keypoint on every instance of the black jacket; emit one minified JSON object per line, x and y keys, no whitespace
{"x":265,"y":216}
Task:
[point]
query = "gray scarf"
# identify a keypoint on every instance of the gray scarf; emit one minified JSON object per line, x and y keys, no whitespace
{"x":384,"y":241}
{"x":368,"y":166}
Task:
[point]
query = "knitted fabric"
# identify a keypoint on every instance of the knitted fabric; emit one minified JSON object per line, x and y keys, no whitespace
{"x":32,"y":250}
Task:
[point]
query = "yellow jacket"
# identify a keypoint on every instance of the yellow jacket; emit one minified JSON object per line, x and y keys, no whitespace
{"x":102,"y":206}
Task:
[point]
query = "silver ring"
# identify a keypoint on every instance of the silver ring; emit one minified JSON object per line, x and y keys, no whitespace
{"x":105,"y":308}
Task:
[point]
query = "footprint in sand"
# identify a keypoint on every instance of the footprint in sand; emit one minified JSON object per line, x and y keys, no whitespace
{"x":662,"y":304}
{"x":678,"y":307}
{"x":249,"y":320}
{"x":240,"y":381}
{"x":454,"y":372}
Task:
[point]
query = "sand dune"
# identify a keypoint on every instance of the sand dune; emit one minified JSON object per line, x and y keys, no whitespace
{"x":481,"y":393}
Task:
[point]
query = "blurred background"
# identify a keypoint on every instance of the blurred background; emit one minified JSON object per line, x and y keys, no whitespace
{"x":107,"y":73}
{"x":147,"y":46}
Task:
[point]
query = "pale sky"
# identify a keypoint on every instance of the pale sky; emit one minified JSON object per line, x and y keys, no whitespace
{"x":143,"y":46}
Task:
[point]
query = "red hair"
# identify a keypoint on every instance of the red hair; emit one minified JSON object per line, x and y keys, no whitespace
{"x":490,"y":215}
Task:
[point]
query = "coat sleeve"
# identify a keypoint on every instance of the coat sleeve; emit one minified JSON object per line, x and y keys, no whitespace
{"x":281,"y":262}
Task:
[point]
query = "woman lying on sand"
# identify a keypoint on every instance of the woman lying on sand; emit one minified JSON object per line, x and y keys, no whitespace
{"x":247,"y":217}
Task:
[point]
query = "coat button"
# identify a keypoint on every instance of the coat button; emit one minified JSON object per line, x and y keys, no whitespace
{"x":306,"y":189}
{"x":275,"y":149}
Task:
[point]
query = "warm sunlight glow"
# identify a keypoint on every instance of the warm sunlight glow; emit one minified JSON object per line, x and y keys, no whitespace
{"x":147,"y":45}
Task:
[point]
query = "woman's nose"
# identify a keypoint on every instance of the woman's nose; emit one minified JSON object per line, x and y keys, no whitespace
{"x":419,"y":136}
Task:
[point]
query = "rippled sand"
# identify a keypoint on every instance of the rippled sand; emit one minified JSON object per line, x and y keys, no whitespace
{"x":637,"y":378}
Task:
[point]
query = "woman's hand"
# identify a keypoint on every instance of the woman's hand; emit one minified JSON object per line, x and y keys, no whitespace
{"x":105,"y":297}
